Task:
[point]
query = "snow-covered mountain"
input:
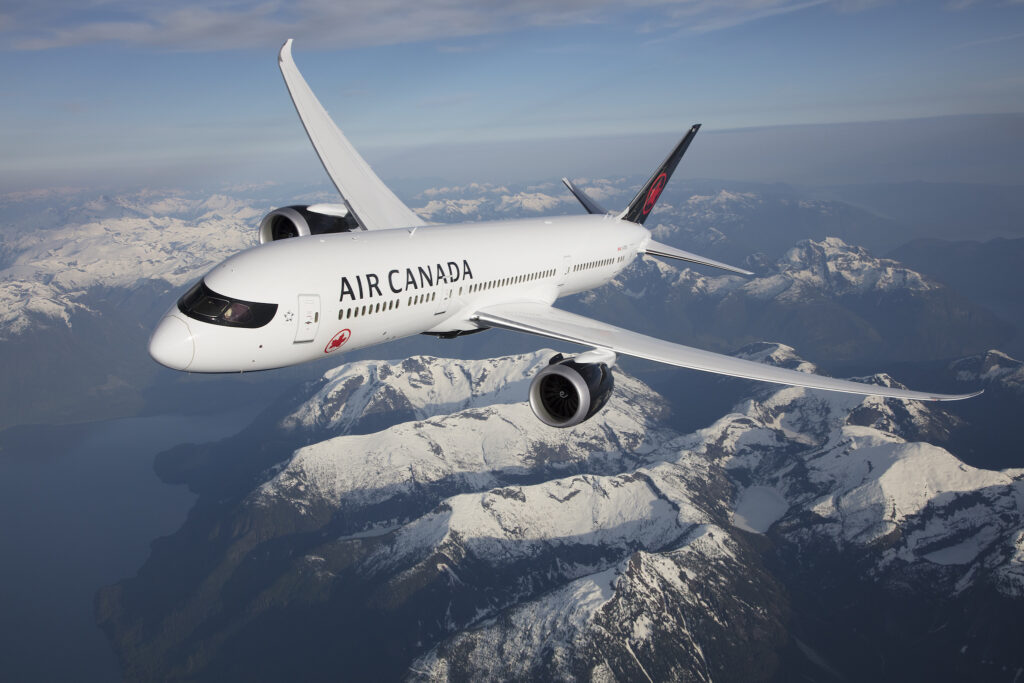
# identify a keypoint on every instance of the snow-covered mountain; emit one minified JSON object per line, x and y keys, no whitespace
{"x":116,"y":243}
{"x":82,"y":282}
{"x":809,"y":271}
{"x":728,"y":223}
{"x":450,"y":426}
{"x":484,"y":201}
{"x":993,"y":368}
{"x":860,"y":472}
{"x":830,"y":298}
{"x":464,"y":539}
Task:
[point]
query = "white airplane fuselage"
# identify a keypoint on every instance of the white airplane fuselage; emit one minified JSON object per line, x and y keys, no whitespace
{"x":344,"y":291}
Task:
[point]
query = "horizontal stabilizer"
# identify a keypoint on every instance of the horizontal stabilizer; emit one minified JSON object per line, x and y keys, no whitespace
{"x":658,"y":249}
{"x":585,"y":199}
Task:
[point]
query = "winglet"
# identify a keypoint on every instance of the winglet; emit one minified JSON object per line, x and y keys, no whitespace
{"x":286,"y":51}
{"x":372,"y":204}
{"x":585,"y":199}
{"x":647,"y":197}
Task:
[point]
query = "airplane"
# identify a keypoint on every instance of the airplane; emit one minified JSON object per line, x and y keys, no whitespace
{"x":328,"y":278}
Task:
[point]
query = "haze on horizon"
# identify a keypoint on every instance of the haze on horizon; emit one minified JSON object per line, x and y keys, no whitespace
{"x":840,"y":91}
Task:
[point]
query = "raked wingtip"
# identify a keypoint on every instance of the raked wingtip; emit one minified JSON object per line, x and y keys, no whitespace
{"x":957,"y":397}
{"x":286,"y":50}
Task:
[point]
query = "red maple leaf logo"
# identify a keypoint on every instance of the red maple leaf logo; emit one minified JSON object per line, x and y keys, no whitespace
{"x":655,"y":192}
{"x":337,"y":340}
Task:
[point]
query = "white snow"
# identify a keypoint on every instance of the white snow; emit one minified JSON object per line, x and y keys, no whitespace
{"x":482,"y":439}
{"x":502,"y":525}
{"x":991,"y":367}
{"x":424,"y":384}
{"x":757,"y":508}
{"x":531,"y":201}
{"x":130,"y":239}
{"x":965,"y":551}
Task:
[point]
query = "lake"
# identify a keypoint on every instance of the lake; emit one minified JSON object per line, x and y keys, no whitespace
{"x":79,"y":506}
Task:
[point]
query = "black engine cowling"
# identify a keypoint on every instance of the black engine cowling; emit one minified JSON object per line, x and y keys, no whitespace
{"x":566,"y":393}
{"x":299,"y":221}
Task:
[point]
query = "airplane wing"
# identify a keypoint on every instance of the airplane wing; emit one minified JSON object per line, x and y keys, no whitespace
{"x":374,"y":206}
{"x":545,"y":321}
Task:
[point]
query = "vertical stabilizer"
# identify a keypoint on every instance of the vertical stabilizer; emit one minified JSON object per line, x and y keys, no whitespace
{"x":647,"y":197}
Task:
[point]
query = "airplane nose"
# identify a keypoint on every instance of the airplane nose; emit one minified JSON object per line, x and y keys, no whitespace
{"x":171,"y":344}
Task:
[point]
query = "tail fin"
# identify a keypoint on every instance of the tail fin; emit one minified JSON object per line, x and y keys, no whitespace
{"x":647,"y":197}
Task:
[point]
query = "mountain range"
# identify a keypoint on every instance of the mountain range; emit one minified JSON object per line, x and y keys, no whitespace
{"x":410,"y":519}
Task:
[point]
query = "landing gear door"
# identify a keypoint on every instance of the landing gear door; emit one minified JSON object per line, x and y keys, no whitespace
{"x":309,"y":318}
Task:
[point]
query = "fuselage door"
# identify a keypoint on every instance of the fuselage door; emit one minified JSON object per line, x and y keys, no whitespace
{"x":442,"y":304}
{"x":564,"y":273}
{"x":309,"y":318}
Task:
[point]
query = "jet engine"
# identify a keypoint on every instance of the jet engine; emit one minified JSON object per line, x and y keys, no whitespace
{"x":302,"y":220}
{"x":568,"y":391}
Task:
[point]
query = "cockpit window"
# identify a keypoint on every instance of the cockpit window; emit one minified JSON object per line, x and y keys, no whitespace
{"x":202,"y":303}
{"x":237,"y":313}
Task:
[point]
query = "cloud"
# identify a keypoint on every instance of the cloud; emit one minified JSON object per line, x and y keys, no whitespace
{"x":965,"y":4}
{"x":989,"y":41}
{"x":703,"y":16}
{"x":235,"y":24}
{"x":240,"y":24}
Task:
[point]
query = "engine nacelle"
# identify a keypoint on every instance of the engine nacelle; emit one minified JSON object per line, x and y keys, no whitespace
{"x":566,"y":392}
{"x":303,"y":221}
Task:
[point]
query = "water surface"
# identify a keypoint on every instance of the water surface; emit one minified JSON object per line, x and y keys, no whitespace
{"x":79,"y":506}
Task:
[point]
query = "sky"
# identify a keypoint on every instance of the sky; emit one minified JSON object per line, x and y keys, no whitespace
{"x":118,"y":91}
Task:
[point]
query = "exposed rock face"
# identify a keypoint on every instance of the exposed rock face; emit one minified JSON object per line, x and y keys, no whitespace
{"x":993,"y":368}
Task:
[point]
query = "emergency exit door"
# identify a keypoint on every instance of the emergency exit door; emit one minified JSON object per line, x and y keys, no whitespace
{"x":309,"y":318}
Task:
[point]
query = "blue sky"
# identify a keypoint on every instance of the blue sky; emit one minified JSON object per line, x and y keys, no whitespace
{"x":149,"y":90}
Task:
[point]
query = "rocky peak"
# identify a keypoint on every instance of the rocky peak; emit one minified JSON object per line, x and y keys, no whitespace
{"x":993,"y":368}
